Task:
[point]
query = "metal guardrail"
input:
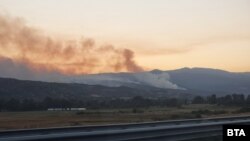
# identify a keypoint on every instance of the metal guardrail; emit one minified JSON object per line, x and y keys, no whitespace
{"x":175,"y":130}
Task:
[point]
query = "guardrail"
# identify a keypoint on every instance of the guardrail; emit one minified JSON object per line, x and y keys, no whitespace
{"x":175,"y":130}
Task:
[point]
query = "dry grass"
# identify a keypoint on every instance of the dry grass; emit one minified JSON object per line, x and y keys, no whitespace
{"x":39,"y":119}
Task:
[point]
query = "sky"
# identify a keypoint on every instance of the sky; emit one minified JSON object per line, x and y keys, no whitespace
{"x":144,"y":34}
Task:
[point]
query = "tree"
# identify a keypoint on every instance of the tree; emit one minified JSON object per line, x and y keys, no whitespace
{"x":248,"y":100}
{"x":238,"y":99}
{"x":226,"y":100}
{"x":2,"y":102}
{"x":29,"y":105}
{"x":12,"y":104}
{"x":198,"y":100}
{"x":212,"y":99}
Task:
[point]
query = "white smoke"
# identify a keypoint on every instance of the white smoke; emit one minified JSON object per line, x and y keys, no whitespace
{"x":160,"y":80}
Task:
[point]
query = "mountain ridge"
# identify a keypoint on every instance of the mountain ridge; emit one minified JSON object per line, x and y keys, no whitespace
{"x":21,"y":89}
{"x":199,"y":81}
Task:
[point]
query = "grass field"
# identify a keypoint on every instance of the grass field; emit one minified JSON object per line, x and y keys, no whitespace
{"x":39,"y":119}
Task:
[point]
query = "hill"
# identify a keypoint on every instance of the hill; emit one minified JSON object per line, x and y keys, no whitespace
{"x":212,"y":80}
{"x":21,"y":89}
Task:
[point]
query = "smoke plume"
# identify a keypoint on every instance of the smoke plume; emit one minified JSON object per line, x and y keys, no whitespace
{"x":159,"y":80}
{"x":32,"y":49}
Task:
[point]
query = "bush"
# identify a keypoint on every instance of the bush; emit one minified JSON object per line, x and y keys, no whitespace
{"x":242,"y":110}
{"x":185,"y":116}
{"x":80,"y":113}
{"x":209,"y":112}
{"x":135,"y":110}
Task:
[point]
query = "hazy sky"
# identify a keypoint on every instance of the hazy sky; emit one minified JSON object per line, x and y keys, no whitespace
{"x":164,"y":34}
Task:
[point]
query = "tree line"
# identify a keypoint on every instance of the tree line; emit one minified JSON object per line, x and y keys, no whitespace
{"x":14,"y":104}
{"x":227,"y":100}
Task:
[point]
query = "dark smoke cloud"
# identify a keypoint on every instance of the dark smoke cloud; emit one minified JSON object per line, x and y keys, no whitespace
{"x":29,"y":48}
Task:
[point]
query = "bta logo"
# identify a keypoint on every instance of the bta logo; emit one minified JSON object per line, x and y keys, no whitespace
{"x":235,"y":132}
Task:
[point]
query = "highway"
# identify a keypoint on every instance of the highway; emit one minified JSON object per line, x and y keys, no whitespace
{"x":173,"y":130}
